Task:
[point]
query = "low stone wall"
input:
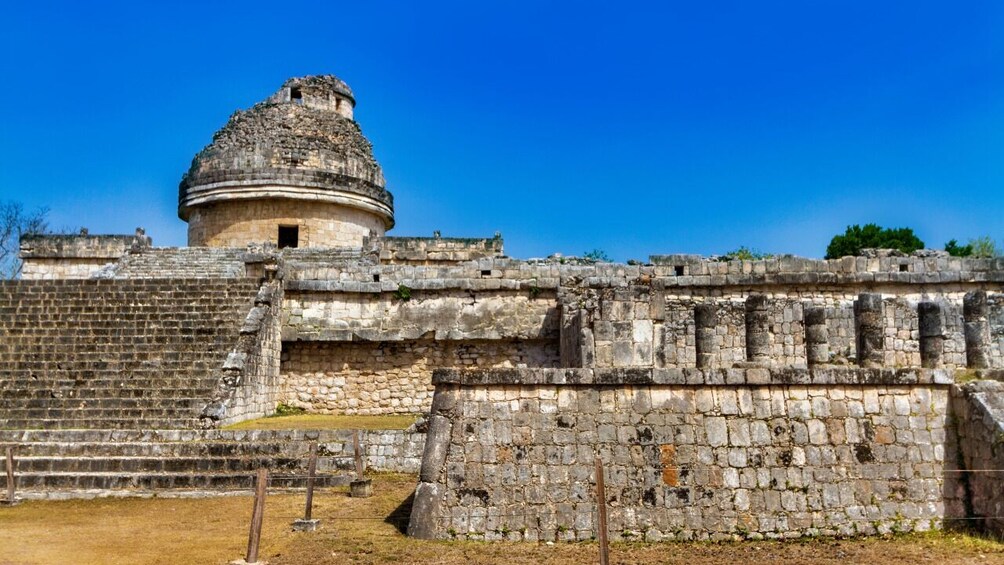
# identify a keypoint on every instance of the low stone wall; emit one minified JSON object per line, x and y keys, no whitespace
{"x":74,"y":256}
{"x":979,"y":415}
{"x":391,"y":377}
{"x":688,"y":453}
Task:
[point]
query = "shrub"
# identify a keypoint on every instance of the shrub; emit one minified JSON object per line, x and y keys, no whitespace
{"x":858,"y":237}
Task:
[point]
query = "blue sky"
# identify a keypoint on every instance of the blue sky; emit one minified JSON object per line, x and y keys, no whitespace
{"x":635,"y":128}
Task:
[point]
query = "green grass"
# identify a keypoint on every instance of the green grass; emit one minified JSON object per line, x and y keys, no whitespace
{"x":327,"y":422}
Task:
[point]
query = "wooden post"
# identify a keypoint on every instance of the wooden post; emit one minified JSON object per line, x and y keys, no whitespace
{"x":10,"y":475}
{"x":358,"y":454}
{"x":311,"y":470}
{"x":257,"y":517}
{"x":601,"y":511}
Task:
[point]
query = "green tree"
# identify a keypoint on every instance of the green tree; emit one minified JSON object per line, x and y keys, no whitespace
{"x":858,"y":237}
{"x":955,"y":250}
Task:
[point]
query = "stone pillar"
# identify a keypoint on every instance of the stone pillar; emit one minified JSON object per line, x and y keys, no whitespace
{"x":869,"y":323}
{"x":817,"y":336}
{"x":757,"y":329}
{"x":706,"y":323}
{"x":932,"y":334}
{"x":977,"y":329}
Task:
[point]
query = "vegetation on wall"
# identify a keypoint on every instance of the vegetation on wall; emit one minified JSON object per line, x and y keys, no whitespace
{"x":856,"y":238}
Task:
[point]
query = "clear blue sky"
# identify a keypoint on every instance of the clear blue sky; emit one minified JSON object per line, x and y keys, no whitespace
{"x":691,"y":127}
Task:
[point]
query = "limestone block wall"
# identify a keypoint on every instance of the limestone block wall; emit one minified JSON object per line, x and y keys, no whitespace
{"x":642,"y":325}
{"x":313,"y":312}
{"x":688,"y":454}
{"x":75,"y":256}
{"x":391,"y":377}
{"x":435,"y":250}
{"x":235,"y":223}
{"x":68,"y":268}
{"x":249,"y":384}
{"x":979,"y":416}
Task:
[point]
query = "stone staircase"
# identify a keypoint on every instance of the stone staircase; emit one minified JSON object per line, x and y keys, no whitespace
{"x":102,"y":383}
{"x":114,"y":354}
{"x":92,"y":463}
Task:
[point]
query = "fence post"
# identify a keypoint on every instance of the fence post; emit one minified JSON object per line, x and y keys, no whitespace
{"x":257,"y":517}
{"x":359,"y":488}
{"x":357,"y":453}
{"x":601,"y":510}
{"x":307,"y":523}
{"x":10,"y":476}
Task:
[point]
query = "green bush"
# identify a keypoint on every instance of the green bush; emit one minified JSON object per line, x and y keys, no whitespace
{"x":955,"y":250}
{"x":858,"y":237}
{"x":283,"y":409}
{"x":744,"y":253}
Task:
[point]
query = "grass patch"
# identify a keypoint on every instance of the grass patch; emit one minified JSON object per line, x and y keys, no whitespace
{"x":327,"y":422}
{"x":366,"y":531}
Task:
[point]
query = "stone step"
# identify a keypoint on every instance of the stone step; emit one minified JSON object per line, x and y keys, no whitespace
{"x":293,"y":449}
{"x":78,"y":423}
{"x":208,"y":385}
{"x":169,"y":435}
{"x":176,"y":464}
{"x":157,"y":481}
{"x":72,"y":402}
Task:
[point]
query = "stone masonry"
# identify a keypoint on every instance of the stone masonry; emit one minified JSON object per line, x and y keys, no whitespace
{"x":774,"y":398}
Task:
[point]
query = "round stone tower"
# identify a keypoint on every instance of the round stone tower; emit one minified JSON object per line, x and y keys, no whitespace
{"x":294,"y":170}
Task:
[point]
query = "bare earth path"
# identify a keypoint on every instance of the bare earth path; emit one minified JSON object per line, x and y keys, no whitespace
{"x":214,"y":531}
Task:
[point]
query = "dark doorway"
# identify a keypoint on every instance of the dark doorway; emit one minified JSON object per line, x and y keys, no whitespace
{"x":289,"y":236}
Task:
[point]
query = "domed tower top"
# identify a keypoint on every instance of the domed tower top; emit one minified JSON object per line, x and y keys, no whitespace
{"x":322,"y":92}
{"x":294,"y":170}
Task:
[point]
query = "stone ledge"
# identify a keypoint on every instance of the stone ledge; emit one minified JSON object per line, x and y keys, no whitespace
{"x":694,"y":377}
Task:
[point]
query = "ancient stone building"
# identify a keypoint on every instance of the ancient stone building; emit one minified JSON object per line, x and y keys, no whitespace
{"x":294,"y":170}
{"x":772,"y":398}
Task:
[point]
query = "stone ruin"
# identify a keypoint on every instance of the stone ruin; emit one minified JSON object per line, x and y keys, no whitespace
{"x":772,"y":398}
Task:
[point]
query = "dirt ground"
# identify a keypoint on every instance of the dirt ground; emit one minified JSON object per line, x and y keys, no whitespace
{"x":363,"y":531}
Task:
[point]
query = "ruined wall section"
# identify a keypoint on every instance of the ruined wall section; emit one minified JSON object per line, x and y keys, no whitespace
{"x":392,"y":376}
{"x":434,"y":250}
{"x":75,"y":256}
{"x":687,"y":454}
{"x":978,"y":483}
{"x":249,"y":384}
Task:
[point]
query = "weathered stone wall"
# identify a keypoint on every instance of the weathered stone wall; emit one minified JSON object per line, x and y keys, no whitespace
{"x":643,"y":325}
{"x":237,"y":223}
{"x":74,"y":256}
{"x":688,"y":454}
{"x":391,"y":377}
{"x":249,"y":384}
{"x":978,"y":480}
{"x":313,"y":312}
{"x":435,"y":250}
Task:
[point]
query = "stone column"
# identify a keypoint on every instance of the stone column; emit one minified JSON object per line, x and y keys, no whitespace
{"x":977,"y":329}
{"x":705,"y":322}
{"x":932,"y":334}
{"x":757,"y":329}
{"x":870,"y":325}
{"x":817,"y":336}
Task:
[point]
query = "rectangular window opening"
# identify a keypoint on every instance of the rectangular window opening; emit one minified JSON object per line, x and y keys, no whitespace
{"x":289,"y":236}
{"x":904,"y":268}
{"x":295,"y":95}
{"x":678,"y":269}
{"x":376,"y":278}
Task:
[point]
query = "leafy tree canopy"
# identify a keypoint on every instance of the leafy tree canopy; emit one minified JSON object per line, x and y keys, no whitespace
{"x":955,"y":250}
{"x":858,"y":237}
